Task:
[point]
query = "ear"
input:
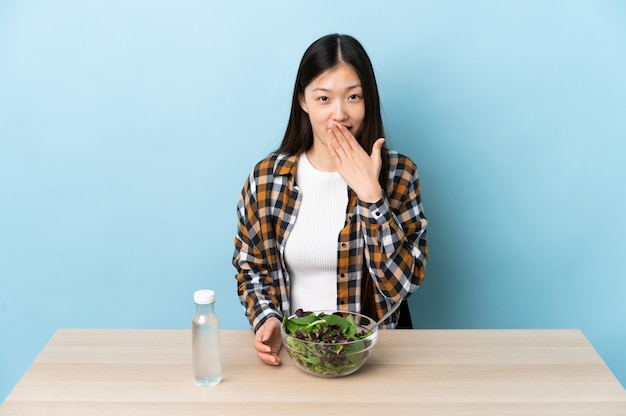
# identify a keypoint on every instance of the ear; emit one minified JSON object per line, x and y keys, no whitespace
{"x":303,"y":105}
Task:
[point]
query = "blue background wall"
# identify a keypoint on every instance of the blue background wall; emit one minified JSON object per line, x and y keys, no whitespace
{"x":128,"y":128}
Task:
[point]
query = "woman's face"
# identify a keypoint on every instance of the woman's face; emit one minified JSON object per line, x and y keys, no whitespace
{"x":334,"y":97}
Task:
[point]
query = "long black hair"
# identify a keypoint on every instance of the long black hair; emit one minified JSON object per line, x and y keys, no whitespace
{"x":324,"y":54}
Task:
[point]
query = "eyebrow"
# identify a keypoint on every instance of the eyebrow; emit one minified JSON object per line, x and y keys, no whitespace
{"x":327,"y":90}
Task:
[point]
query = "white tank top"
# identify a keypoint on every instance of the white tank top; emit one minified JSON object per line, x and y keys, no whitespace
{"x":311,"y":249}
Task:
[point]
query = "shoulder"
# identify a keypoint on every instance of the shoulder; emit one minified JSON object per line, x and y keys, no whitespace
{"x":275,"y":164}
{"x":400,"y":165}
{"x":403,"y":181}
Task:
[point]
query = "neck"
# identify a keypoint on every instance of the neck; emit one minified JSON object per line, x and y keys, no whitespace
{"x":321,"y":159}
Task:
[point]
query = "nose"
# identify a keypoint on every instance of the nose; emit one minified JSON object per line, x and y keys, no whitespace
{"x":339,"y":112}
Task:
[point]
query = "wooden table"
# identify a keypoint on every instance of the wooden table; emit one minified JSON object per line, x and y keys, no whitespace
{"x":412,"y":372}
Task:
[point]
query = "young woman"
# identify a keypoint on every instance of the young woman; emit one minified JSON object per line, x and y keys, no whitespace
{"x":332,"y":220}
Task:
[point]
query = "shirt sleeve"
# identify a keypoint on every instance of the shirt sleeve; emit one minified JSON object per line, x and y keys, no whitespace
{"x":395,"y":235}
{"x":255,"y":284}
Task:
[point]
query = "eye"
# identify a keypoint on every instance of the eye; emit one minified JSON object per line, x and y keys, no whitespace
{"x":323,"y":99}
{"x":354,"y":97}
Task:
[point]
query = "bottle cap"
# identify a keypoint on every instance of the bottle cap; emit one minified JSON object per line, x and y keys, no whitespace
{"x":204,"y":297}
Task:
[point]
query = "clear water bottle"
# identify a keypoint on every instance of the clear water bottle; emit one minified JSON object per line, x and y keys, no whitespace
{"x":205,"y":334}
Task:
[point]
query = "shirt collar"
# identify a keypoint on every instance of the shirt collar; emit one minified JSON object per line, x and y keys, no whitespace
{"x":286,"y":164}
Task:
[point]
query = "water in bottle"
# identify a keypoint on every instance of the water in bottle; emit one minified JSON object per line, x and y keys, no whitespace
{"x":205,"y":333}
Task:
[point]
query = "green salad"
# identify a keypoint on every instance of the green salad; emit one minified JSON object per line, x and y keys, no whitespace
{"x":333,"y":345}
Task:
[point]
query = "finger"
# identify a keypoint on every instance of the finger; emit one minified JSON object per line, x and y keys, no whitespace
{"x":376,"y":156}
{"x":260,"y":341}
{"x":262,"y":347}
{"x":349,"y":138}
{"x":337,"y":144}
{"x":272,"y":359}
{"x":345,"y":139}
{"x":377,"y":149}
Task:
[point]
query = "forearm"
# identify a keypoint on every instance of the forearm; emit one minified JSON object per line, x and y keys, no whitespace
{"x":255,"y":288}
{"x":395,"y":251}
{"x":259,"y":308}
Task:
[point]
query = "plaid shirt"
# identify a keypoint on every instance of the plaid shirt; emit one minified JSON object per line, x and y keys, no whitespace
{"x":391,"y":231}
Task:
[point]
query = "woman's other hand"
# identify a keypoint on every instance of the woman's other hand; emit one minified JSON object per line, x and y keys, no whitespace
{"x":267,"y":341}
